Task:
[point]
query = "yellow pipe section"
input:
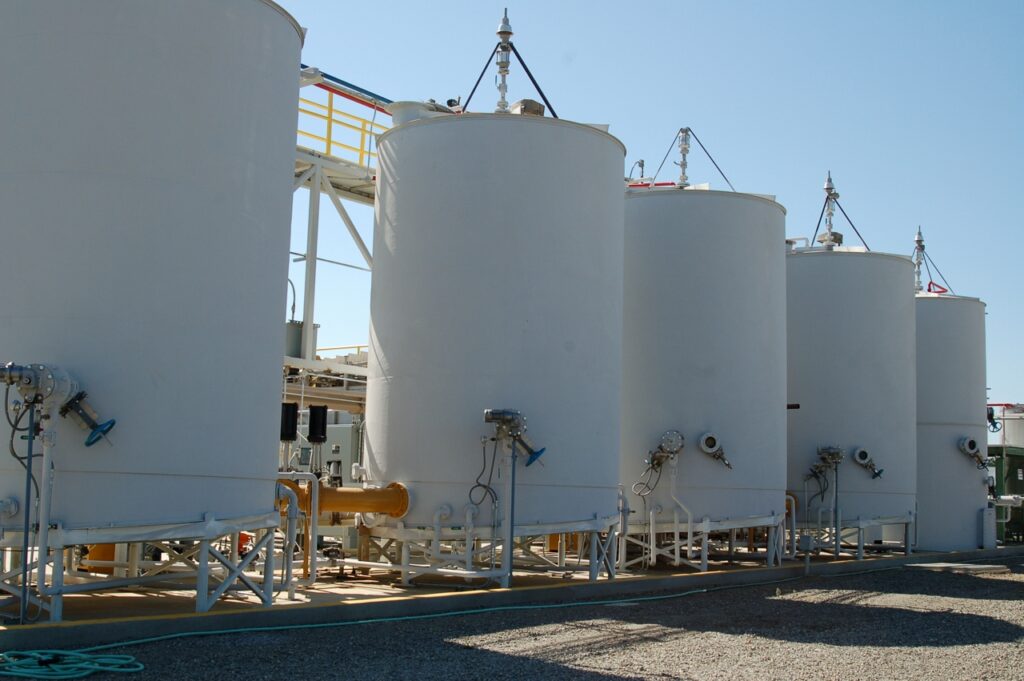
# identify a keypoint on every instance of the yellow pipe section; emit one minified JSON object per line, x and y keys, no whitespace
{"x":392,"y":500}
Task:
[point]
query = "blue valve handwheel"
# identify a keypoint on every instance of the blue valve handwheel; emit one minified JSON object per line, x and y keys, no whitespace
{"x":99,"y":431}
{"x":536,"y":455}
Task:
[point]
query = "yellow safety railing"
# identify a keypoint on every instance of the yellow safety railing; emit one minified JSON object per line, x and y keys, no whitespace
{"x":357,"y":348}
{"x":337,"y":132}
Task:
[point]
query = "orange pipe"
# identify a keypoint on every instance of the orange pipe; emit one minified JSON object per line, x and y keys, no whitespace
{"x":392,"y":500}
{"x":101,"y":552}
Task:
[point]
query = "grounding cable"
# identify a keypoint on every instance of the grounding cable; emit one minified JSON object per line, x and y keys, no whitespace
{"x":852,"y":225}
{"x":706,"y":153}
{"x":465,"y":107}
{"x":824,"y":205}
{"x":532,"y":79}
{"x":711,"y":158}
{"x":927,"y":259}
{"x":526,"y":69}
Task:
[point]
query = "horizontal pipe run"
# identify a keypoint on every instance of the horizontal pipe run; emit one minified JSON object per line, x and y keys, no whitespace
{"x":392,"y":500}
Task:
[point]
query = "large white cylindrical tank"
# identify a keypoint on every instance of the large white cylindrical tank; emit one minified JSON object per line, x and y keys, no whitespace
{"x":147,"y":161}
{"x":704,"y":351}
{"x":852,"y":371}
{"x":497,"y":283}
{"x":951,"y":489}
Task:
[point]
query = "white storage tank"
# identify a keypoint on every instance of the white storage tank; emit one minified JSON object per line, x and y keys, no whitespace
{"x":852,"y":371}
{"x":147,"y":162}
{"x":952,"y":434}
{"x":704,"y":353}
{"x":497,"y":284}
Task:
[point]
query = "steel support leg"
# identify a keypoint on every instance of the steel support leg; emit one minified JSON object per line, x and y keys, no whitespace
{"x":595,"y":564}
{"x":309,"y":285}
{"x":613,"y":548}
{"x":839,"y":533}
{"x":705,"y":538}
{"x":203,"y":577}
{"x":267,"y":595}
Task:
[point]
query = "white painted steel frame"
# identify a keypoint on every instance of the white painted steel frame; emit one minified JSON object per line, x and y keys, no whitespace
{"x":317,"y":179}
{"x":459,"y":552}
{"x":689,"y":543}
{"x":826,"y":534}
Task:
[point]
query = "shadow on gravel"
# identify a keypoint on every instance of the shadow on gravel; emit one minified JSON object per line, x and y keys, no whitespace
{"x":928,"y":583}
{"x":839,"y":624}
{"x":554,"y":643}
{"x":424,"y":652}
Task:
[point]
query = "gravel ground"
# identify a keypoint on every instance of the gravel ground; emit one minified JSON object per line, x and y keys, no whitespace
{"x":898,"y":624}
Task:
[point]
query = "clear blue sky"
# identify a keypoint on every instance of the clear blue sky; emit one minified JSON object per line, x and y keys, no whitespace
{"x":916,"y":107}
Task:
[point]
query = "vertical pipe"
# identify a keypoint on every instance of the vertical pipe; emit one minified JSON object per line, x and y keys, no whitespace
{"x":30,"y":437}
{"x":839,"y":531}
{"x":705,"y":536}
{"x":652,"y":556}
{"x":613,"y":549}
{"x":405,"y":563}
{"x":330,"y":126}
{"x":309,"y":287}
{"x":43,"y":535}
{"x":506,"y":557}
{"x":57,"y":600}
{"x":283,"y":491}
{"x":203,"y":577}
{"x":675,"y":537}
{"x":267,"y":595}
{"x":595,"y":565}
{"x":133,"y":559}
{"x":792,"y":524}
{"x":470,"y":539}
{"x":836,"y":516}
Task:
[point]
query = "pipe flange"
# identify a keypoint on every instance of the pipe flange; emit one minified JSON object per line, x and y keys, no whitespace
{"x":403,"y":506}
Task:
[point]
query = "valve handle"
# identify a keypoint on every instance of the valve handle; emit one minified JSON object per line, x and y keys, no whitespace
{"x":99,"y":432}
{"x":535,"y":454}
